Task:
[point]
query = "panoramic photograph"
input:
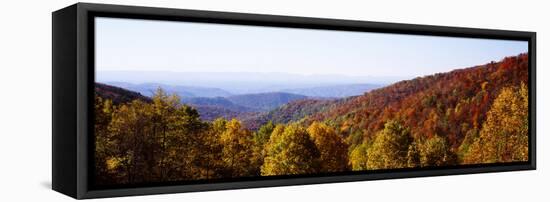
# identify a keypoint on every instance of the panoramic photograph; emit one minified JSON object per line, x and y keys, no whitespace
{"x":190,"y":102}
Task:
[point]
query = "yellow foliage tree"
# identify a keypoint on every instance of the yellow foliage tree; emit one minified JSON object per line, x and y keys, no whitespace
{"x":237,"y":150}
{"x":359,"y":157}
{"x":290,"y":151}
{"x":154,"y":141}
{"x":333,"y":151}
{"x":390,"y":147}
{"x":103,"y":110}
{"x":131,"y":132}
{"x":211,"y":151}
{"x":504,"y":135}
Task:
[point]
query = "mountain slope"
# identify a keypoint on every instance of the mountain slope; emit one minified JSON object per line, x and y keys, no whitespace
{"x":118,"y":95}
{"x":449,"y":104}
{"x":264,"y":101}
{"x":293,"y":111}
{"x":210,"y":113}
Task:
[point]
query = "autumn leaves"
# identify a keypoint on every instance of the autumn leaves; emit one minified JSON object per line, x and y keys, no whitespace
{"x":504,"y":136}
{"x":471,"y":116}
{"x":163,"y":140}
{"x":293,"y":149}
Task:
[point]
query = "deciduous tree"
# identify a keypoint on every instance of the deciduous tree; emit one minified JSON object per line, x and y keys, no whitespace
{"x":390,"y":147}
{"x":359,"y":157}
{"x":504,"y":135}
{"x":333,"y":151}
{"x":289,"y":151}
{"x":237,"y":150}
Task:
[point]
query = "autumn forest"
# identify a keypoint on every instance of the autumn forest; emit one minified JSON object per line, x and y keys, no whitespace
{"x":473,"y":115}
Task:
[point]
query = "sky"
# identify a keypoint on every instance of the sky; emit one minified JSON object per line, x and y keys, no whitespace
{"x":152,"y":45}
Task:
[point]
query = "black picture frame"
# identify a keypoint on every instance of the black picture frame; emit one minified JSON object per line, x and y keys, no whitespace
{"x":73,"y":88}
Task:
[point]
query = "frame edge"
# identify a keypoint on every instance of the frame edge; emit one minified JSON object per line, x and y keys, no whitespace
{"x":64,"y":158}
{"x":83,"y":191}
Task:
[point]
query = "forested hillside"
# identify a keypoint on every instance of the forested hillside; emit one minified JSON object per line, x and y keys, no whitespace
{"x":447,"y":104}
{"x":294,"y":111}
{"x":118,"y":95}
{"x":467,"y":116}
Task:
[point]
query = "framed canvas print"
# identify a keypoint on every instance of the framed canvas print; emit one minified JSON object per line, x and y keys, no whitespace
{"x":155,"y":100}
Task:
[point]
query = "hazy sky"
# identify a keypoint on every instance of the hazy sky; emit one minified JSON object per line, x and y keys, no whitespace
{"x":148,"y":45}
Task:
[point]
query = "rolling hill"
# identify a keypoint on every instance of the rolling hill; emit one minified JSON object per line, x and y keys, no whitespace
{"x":118,"y":95}
{"x":293,"y":111}
{"x":451,"y":104}
{"x":264,"y":101}
{"x":242,"y":106}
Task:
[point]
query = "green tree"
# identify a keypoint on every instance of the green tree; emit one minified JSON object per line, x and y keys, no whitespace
{"x":260,"y":140}
{"x":264,"y":133}
{"x":390,"y":147}
{"x":289,"y":151}
{"x":471,"y":136}
{"x":182,"y":145}
{"x":332,"y":148}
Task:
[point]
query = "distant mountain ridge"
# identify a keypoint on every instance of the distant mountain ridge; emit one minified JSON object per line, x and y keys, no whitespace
{"x":183,"y":91}
{"x":241,"y":82}
{"x":334,"y":91}
{"x":246,"y":105}
{"x":320,"y":91}
{"x":264,"y":101}
{"x":216,"y":102}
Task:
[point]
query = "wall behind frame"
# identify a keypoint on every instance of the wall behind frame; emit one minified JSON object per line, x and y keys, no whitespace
{"x":25,"y":83}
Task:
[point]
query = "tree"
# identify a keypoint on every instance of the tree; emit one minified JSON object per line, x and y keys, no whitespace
{"x":211,"y":151}
{"x":103,"y":110}
{"x":413,"y":156}
{"x":264,"y":133}
{"x":390,"y":147}
{"x":504,"y":135}
{"x":359,"y":157}
{"x":435,"y":152}
{"x":333,"y":151}
{"x":260,"y":140}
{"x":165,"y":132}
{"x":290,"y":151}
{"x":237,"y":149}
{"x":155,"y":141}
{"x":471,"y":136}
{"x":183,"y":144}
{"x":130,"y":131}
